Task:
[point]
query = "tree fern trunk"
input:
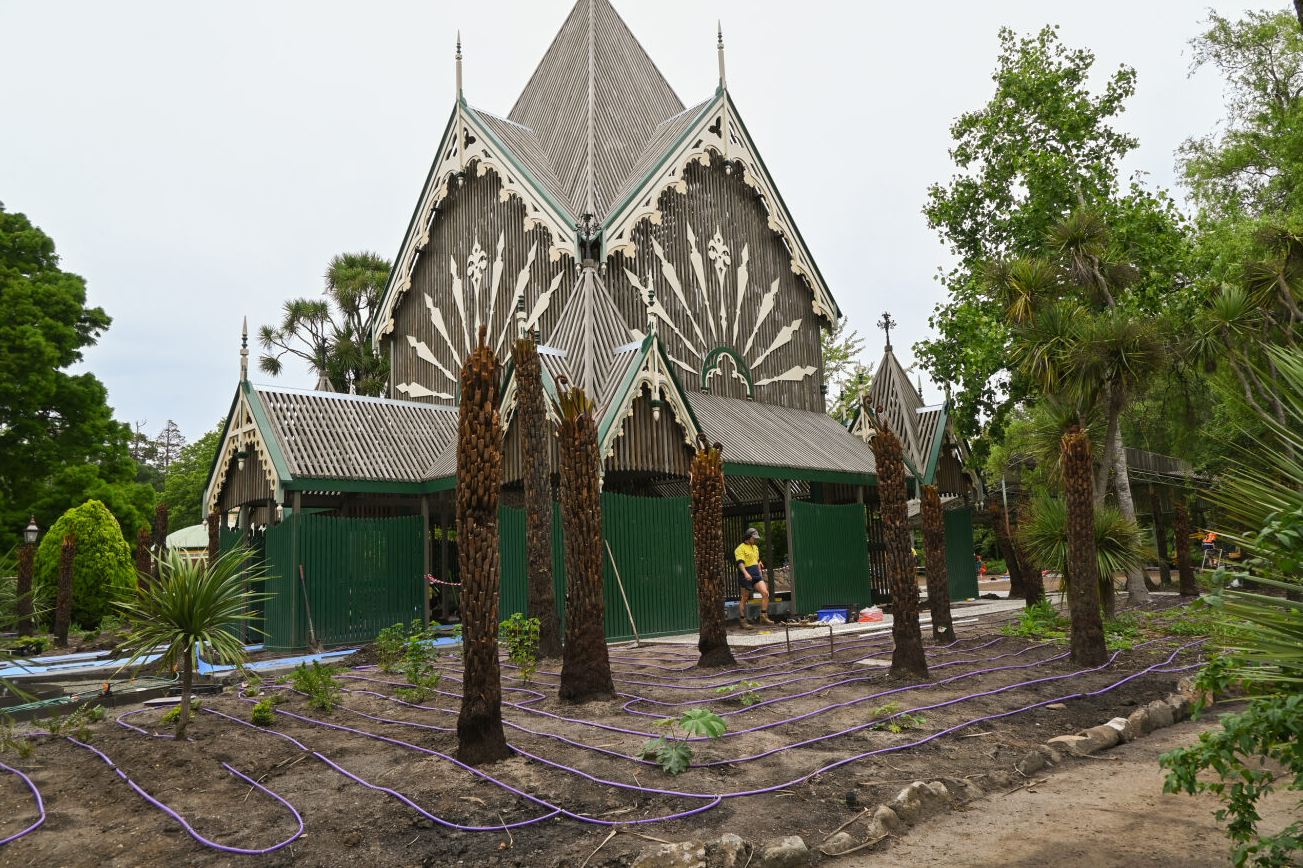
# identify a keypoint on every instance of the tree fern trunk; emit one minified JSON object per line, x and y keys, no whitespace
{"x":63,"y":602}
{"x":999,"y":522}
{"x":531,"y":417}
{"x":1033,"y":578}
{"x":26,"y":554}
{"x":708,"y":550}
{"x":214,"y":536}
{"x":1088,"y":647}
{"x":479,"y":484}
{"x":144,"y":560}
{"x":907,"y":656}
{"x":1181,"y":530}
{"x":585,"y":664}
{"x":934,"y":547}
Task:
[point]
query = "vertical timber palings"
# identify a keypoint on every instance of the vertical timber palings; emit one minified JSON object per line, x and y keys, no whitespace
{"x":1088,"y":647}
{"x":934,"y":547}
{"x":907,"y":656}
{"x":585,"y":663}
{"x":480,"y":738}
{"x":531,"y":420}
{"x":708,"y":551}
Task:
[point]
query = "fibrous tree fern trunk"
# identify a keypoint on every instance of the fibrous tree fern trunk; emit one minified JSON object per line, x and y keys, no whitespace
{"x":63,"y":602}
{"x":479,"y":484}
{"x":708,"y":550}
{"x":1088,"y":647}
{"x":144,"y":560}
{"x":934,"y":546}
{"x":907,"y":656}
{"x":585,"y":664}
{"x":1181,"y":530}
{"x":1033,"y":578}
{"x":531,"y":416}
{"x":999,"y":523}
{"x":26,"y":556}
{"x":214,"y":536}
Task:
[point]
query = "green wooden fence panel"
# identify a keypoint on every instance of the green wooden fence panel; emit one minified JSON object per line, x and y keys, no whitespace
{"x":651,"y":539}
{"x":961,"y":565}
{"x":830,"y":556}
{"x":361,"y":575}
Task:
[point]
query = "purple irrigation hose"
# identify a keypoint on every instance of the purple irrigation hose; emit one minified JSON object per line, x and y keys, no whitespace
{"x":40,"y":806}
{"x":189,"y":829}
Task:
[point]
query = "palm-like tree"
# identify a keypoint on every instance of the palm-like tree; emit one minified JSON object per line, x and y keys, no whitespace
{"x":192,"y":608}
{"x":585,"y":663}
{"x":1119,"y":542}
{"x":535,"y":445}
{"x":907,"y":655}
{"x":934,"y":547}
{"x":332,"y":335}
{"x":1088,"y":648}
{"x":708,"y":549}
{"x":479,"y":485}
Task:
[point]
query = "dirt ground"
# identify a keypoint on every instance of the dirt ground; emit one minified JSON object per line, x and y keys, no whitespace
{"x":803,"y":760}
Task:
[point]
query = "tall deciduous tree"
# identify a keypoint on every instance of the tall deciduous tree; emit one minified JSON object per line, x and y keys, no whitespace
{"x":183,"y":490}
{"x":585,"y":663}
{"x":480,"y":738}
{"x":934,"y":546}
{"x":333,"y":334}
{"x":1088,"y":647}
{"x":536,"y":450}
{"x":708,"y":551}
{"x":907,"y":656}
{"x":59,"y":444}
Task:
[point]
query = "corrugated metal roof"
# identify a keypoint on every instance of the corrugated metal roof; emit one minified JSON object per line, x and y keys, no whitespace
{"x":330,"y":436}
{"x":665,"y":135}
{"x":774,"y":436}
{"x":595,"y":77}
{"x":899,"y":402}
{"x":589,"y":330}
{"x":525,"y":147}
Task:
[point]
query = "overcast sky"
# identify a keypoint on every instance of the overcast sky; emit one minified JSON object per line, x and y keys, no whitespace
{"x":197,"y":163}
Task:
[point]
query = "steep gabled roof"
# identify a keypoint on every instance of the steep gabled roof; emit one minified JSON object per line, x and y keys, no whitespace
{"x":589,"y":330}
{"x":899,"y":403}
{"x":596,"y":95}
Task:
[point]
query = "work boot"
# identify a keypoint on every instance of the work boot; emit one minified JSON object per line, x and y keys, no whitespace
{"x":744,"y":624}
{"x":764,"y":619}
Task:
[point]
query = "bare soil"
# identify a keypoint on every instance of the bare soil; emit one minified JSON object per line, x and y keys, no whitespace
{"x":804,"y":760}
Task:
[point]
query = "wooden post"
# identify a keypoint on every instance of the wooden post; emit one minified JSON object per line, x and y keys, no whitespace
{"x":297,"y":561}
{"x":444,"y":593}
{"x":769,"y":545}
{"x":425,"y":557}
{"x":791,"y":552}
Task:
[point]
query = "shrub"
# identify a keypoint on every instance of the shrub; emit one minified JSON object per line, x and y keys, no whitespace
{"x":104,"y":570}
{"x":263,"y":715}
{"x":520,"y":636}
{"x":675,"y":754}
{"x":319,"y":683}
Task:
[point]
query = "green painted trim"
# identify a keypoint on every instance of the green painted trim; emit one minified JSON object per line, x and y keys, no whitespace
{"x":368,"y":486}
{"x":713,"y":356}
{"x":221,"y":441}
{"x":630,"y":375}
{"x":837,"y":311}
{"x":618,"y":210}
{"x":764,"y":471}
{"x":278,"y":462}
{"x":934,"y":458}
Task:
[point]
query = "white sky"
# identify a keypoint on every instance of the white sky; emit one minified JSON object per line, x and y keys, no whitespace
{"x":200,"y":162}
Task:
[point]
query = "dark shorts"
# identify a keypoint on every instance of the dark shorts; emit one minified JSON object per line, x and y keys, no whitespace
{"x":753,"y":577}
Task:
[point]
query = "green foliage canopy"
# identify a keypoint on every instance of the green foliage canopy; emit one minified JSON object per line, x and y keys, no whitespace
{"x":103,"y":571}
{"x":183,"y":489}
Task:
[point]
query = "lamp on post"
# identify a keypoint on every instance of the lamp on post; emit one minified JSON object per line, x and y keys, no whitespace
{"x":26,"y":557}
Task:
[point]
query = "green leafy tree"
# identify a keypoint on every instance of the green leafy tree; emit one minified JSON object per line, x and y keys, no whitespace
{"x":192,"y":608}
{"x":333,"y":334}
{"x":183,"y":490}
{"x":59,"y":444}
{"x":104,"y":569}
{"x":844,"y":372}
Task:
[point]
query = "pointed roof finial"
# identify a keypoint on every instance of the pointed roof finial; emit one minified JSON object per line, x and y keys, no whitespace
{"x":244,"y":352}
{"x":723,"y":82}
{"x":459,"y":65}
{"x":887,"y":324}
{"x":919,"y":377}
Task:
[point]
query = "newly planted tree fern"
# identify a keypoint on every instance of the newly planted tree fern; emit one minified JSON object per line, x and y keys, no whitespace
{"x":934,"y":546}
{"x":1088,"y":645}
{"x":708,"y":551}
{"x":907,"y":656}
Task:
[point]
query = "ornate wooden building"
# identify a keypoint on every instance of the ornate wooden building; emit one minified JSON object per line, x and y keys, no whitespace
{"x":647,"y":243}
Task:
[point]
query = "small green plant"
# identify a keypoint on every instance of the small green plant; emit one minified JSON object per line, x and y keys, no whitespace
{"x":1122,"y":631}
{"x":172,"y":715}
{"x":675,"y":754}
{"x":75,"y":723}
{"x":262,"y":714}
{"x":252,"y":683}
{"x":30,"y":645}
{"x":1041,"y":621}
{"x":899,"y":721}
{"x":319,"y":683}
{"x":424,"y":679}
{"x":520,"y":636}
{"x":743,"y":691}
{"x":11,"y":741}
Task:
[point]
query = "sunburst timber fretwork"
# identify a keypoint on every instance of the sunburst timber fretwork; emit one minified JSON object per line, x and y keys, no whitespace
{"x":479,"y":261}
{"x":734,"y":317}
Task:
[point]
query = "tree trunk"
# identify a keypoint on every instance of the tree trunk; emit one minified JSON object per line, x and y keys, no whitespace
{"x":26,"y":555}
{"x":1113,"y":408}
{"x":1017,"y":582}
{"x":934,"y":548}
{"x":479,"y":484}
{"x":1181,"y":531}
{"x":531,"y":416}
{"x":1033,"y":579}
{"x":907,"y":657}
{"x":1137,"y":590}
{"x":187,"y":684}
{"x":63,"y":603}
{"x":585,"y":663}
{"x":160,"y":534}
{"x":1160,"y":534}
{"x":144,"y":560}
{"x":708,"y":550}
{"x":1088,"y":648}
{"x":214,"y":536}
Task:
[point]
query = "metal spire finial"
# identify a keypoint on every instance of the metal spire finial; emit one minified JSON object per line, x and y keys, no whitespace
{"x":459,"y":64}
{"x":720,"y":37}
{"x":887,"y":324}
{"x":919,"y":378}
{"x":244,"y":352}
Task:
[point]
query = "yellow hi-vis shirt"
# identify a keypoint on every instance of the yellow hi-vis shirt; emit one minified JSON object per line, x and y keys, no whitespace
{"x":748,"y":554}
